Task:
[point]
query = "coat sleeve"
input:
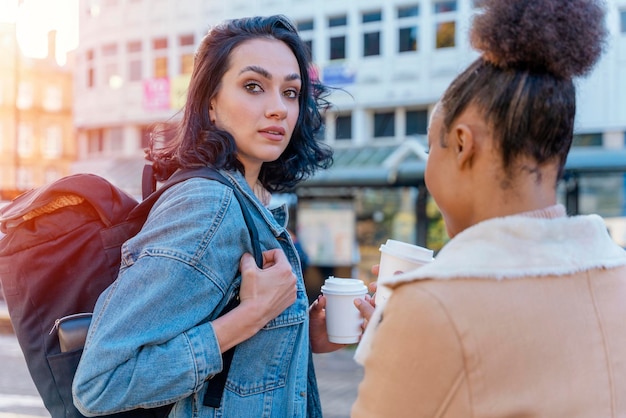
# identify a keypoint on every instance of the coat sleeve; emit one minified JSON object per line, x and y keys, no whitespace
{"x":416,"y":367}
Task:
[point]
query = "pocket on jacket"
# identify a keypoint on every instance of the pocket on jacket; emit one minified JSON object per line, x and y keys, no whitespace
{"x":262,"y":362}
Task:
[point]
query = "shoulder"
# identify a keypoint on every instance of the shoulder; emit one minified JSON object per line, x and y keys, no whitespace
{"x":194,"y":195}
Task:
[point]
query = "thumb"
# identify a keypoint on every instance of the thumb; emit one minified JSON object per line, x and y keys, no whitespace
{"x":247,"y":263}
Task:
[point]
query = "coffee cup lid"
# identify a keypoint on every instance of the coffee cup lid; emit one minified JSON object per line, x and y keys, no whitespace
{"x":340,"y":286}
{"x":407,"y":251}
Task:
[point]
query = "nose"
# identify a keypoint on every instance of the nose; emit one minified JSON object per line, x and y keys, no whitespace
{"x":276,"y":106}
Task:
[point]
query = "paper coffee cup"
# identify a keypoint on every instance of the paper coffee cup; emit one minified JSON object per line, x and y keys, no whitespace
{"x":343,"y":319}
{"x":398,"y":256}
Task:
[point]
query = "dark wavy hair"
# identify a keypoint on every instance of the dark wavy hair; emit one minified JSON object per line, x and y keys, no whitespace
{"x":523,"y":82}
{"x":197,"y":142}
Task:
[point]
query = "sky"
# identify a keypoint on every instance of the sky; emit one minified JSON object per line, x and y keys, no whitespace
{"x":35,"y":18}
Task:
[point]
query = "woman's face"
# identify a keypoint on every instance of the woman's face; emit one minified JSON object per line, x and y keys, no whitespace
{"x":442,"y":176}
{"x":258,"y":101}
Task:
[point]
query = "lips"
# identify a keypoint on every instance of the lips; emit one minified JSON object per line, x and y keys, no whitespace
{"x":273,"y":132}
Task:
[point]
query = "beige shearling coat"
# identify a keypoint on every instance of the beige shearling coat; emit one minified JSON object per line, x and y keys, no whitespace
{"x":516,"y":317}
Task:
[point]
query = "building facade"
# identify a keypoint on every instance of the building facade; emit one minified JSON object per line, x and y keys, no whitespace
{"x":37,"y":143}
{"x":390,"y":61}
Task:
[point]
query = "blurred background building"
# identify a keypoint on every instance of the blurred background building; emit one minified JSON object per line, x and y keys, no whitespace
{"x":37,"y":142}
{"x":390,"y":61}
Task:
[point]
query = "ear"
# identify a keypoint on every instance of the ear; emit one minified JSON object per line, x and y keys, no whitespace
{"x":464,"y":144}
{"x":212,"y":113}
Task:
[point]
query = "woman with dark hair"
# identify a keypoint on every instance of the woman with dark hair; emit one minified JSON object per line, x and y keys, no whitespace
{"x":522,"y":312}
{"x":157,"y":337}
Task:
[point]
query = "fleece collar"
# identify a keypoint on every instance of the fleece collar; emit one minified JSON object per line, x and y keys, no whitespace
{"x":515,"y":247}
{"x":519,"y":246}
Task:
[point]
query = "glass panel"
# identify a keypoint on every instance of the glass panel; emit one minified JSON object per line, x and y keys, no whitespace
{"x":305,"y":25}
{"x":186,"y":40}
{"x":371,"y":44}
{"x":337,"y":47}
{"x":407,"y":39}
{"x":408,"y":11}
{"x":343,"y":127}
{"x":337,"y":21}
{"x":445,"y":35}
{"x":587,"y":140}
{"x":372,"y":17}
{"x":159,"y":43}
{"x":384,"y":125}
{"x":160,"y":67}
{"x":133,"y":46}
{"x":445,"y":6}
{"x":416,"y":122}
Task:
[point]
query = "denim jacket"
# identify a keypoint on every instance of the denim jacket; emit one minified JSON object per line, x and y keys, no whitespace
{"x":151,"y":341}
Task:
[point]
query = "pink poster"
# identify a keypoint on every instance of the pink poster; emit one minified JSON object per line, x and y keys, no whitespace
{"x":156,"y":94}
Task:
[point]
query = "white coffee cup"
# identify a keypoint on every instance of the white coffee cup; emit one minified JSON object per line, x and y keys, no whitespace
{"x":343,"y":319}
{"x":398,"y":256}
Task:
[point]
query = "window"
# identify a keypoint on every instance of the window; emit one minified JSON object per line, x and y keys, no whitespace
{"x":305,"y":25}
{"x":445,"y":35}
{"x":343,"y":127}
{"x":186,"y":43}
{"x":407,"y":39}
{"x":337,"y":21}
{"x":160,"y":67}
{"x":622,"y":20}
{"x":337,"y":34}
{"x":337,"y":47}
{"x":305,"y":29}
{"x":109,"y":50}
{"x":25,"y":95}
{"x":134,"y":70}
{"x":445,"y":23}
{"x":116,"y":140}
{"x":408,"y":11}
{"x":90,"y":76}
{"x":133,"y":47}
{"x":408,"y":35}
{"x":25,"y":139}
{"x":159,"y":45}
{"x":53,"y":144}
{"x":416,"y":122}
{"x":445,"y":6}
{"x":53,"y":99}
{"x":24,"y":178}
{"x":371,"y":36}
{"x":95,"y":141}
{"x":186,"y":40}
{"x":186,"y":63}
{"x":587,"y":140}
{"x":384,"y":124}
{"x":135,"y":67}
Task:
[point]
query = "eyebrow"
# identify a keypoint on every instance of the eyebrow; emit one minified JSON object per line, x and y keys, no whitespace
{"x":264,"y":73}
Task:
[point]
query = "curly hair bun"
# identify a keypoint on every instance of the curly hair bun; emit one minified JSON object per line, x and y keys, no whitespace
{"x":561,"y":37}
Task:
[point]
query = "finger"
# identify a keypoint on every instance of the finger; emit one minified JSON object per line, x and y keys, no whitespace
{"x":372,"y":287}
{"x":376,"y":269}
{"x":247,"y":263}
{"x":273,"y":257}
{"x":365,"y":308}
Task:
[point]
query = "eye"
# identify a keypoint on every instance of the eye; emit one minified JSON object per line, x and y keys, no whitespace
{"x":253,"y":87}
{"x":291,"y":93}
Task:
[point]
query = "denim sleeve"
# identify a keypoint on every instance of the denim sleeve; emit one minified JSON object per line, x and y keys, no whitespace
{"x":151,"y":341}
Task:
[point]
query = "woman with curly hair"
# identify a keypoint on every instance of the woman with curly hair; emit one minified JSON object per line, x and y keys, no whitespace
{"x":522,"y":312}
{"x":157,"y":337}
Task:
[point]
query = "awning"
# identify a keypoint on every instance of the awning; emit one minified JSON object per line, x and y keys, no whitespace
{"x":404,"y":164}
